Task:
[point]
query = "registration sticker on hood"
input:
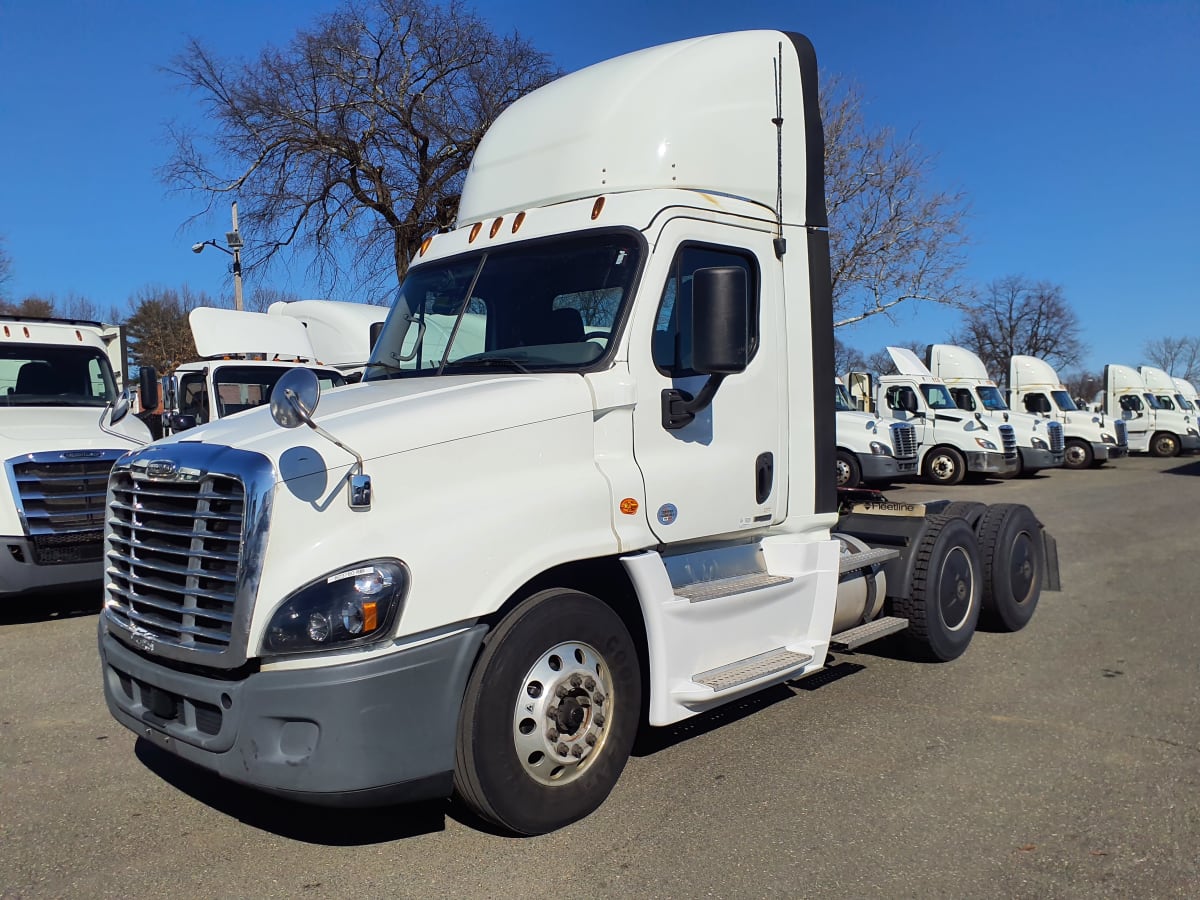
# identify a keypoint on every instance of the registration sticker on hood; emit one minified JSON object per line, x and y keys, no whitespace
{"x":667,"y":513}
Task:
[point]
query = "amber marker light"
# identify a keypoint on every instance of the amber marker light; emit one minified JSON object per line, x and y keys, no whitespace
{"x":597,"y":207}
{"x":496,"y":227}
{"x":518,"y":222}
{"x":370,"y":616}
{"x":474,"y":232}
{"x":629,"y":506}
{"x":425,"y":245}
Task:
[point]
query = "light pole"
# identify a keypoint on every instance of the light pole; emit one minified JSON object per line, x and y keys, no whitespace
{"x":233,"y":241}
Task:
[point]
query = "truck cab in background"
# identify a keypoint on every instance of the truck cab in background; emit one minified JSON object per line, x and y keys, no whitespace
{"x":870,"y":449}
{"x":1151,"y":427}
{"x":1186,"y":397}
{"x":63,"y":423}
{"x":1040,"y":442}
{"x":1091,"y":439}
{"x":953,"y":443}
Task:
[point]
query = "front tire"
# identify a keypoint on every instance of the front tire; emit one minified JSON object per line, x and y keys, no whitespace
{"x":1078,"y":454}
{"x":943,"y":603}
{"x":1014,"y":559}
{"x":849,"y":472}
{"x":550,"y":713}
{"x":1164,"y":444}
{"x":945,"y":466}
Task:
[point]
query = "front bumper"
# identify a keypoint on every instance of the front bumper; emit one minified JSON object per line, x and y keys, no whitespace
{"x":1102,"y":452}
{"x":884,"y":468}
{"x":351,"y":734}
{"x":1189,"y":442}
{"x":990,"y":462}
{"x":1034,"y":458}
{"x":19,"y":574}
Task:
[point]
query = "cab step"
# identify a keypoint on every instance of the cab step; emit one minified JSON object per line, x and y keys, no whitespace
{"x":864,"y":634}
{"x":753,"y":668}
{"x":725,"y":587}
{"x":851,"y":562}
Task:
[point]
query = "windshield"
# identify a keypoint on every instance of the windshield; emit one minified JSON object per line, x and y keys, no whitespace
{"x":1165,"y":401}
{"x":1152,"y":401}
{"x":549,"y":305}
{"x":991,"y":398}
{"x":1184,"y":402}
{"x":1064,"y":401}
{"x":51,"y":375}
{"x":842,"y":399}
{"x":937,"y":396}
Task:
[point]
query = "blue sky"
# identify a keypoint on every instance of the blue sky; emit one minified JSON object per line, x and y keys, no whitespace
{"x":1074,"y":128}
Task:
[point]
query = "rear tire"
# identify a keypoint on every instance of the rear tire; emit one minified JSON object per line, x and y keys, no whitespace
{"x":550,"y":713}
{"x":970,"y":510}
{"x":1014,"y":559}
{"x":944,"y":599}
{"x":849,"y":472}
{"x":1164,"y":444}
{"x":944,"y":466}
{"x":1078,"y":454}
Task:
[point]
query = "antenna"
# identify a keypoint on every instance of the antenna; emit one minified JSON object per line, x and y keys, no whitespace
{"x":779,"y":242}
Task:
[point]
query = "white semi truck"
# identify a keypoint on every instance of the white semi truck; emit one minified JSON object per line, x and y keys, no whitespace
{"x":484,"y":568}
{"x":869,"y":449}
{"x":1185,"y":395}
{"x":953,"y":443}
{"x":245,"y":353}
{"x":1150,"y":427}
{"x":1040,"y":442}
{"x":1091,"y":439}
{"x":62,"y":425}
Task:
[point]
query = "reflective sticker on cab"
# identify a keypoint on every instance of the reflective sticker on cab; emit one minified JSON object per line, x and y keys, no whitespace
{"x":667,"y":513}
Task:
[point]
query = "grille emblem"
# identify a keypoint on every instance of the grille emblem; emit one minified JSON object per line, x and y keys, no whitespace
{"x":82,"y":454}
{"x":161,"y":468}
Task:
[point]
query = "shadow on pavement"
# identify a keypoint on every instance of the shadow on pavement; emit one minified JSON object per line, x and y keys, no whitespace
{"x":1190,"y":468}
{"x":40,"y":607}
{"x":332,"y":827}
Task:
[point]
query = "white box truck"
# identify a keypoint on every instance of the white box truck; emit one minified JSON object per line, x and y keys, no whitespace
{"x":953,"y":443}
{"x":1040,"y":442}
{"x":1091,"y":439}
{"x":870,"y":449}
{"x":482,"y":568}
{"x":1149,"y":426}
{"x":62,"y":425}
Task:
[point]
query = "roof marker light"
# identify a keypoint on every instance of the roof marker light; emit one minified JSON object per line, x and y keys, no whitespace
{"x":425,"y":245}
{"x":496,"y":226}
{"x":474,"y":232}
{"x":518,"y":222}
{"x":597,"y":207}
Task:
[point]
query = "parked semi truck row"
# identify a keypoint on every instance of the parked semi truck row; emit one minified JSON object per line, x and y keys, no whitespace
{"x":1151,"y":427}
{"x":484,"y":567}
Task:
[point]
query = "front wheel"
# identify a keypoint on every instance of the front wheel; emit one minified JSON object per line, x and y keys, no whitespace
{"x":550,"y":714}
{"x":1078,"y":454}
{"x":849,"y":472}
{"x":1164,"y":444}
{"x":945,"y":466}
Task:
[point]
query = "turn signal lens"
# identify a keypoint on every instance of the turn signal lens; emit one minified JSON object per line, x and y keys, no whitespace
{"x":629,"y":506}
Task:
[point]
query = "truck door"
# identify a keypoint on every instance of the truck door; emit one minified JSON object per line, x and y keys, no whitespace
{"x":899,"y":398}
{"x":725,"y":472}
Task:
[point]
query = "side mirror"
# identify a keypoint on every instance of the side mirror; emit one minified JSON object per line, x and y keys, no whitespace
{"x":908,"y":401}
{"x":148,"y":387}
{"x":720,"y":321}
{"x":182,"y":421}
{"x":294,"y":398}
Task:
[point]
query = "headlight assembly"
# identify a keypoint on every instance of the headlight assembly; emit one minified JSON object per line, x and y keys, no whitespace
{"x":356,"y":605}
{"x":985,"y":443}
{"x":880,"y":449}
{"x":1039,"y":444}
{"x":1106,"y":438}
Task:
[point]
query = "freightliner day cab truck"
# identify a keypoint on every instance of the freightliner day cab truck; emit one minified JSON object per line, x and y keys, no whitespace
{"x":1185,"y":396}
{"x":1091,"y":439}
{"x":870,"y":449}
{"x":246,"y":353}
{"x":1150,"y":428}
{"x":1040,"y":442}
{"x":483,"y":569}
{"x":953,"y":443}
{"x":62,"y":425}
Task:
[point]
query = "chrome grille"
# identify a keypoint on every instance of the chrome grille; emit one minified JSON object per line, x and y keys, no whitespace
{"x":1122,"y":433}
{"x":174,"y":547}
{"x":1054,"y":431}
{"x":1008,"y":438}
{"x":60,"y":499}
{"x":904,"y":440}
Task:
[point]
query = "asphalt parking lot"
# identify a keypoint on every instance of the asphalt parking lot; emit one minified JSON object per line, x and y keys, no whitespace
{"x":1061,"y":761}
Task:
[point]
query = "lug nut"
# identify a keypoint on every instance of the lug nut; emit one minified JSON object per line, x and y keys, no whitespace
{"x":552,"y":735}
{"x":576,"y":680}
{"x":591,"y":740}
{"x":598,"y":697}
{"x":561,"y":749}
{"x":584,"y":701}
{"x":589,"y":684}
{"x":552,"y":712}
{"x":577,"y":751}
{"x":561,"y":691}
{"x":599,"y":720}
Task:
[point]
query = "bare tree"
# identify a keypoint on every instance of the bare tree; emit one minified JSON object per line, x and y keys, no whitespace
{"x":158,"y":329}
{"x":33,"y":307}
{"x":893,"y":238}
{"x":1082,"y":385}
{"x":353,"y":142}
{"x":1178,"y":355}
{"x":1014,"y":315}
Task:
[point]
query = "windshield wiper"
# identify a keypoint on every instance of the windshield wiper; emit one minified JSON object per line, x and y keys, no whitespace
{"x":488,"y":361}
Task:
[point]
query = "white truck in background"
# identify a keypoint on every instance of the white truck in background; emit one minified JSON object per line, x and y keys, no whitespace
{"x":1150,"y":427}
{"x":245,"y":353}
{"x":952,"y":442}
{"x":62,"y":425}
{"x":869,"y":449}
{"x":1185,"y":395}
{"x":1091,"y":439}
{"x":1040,"y":442}
{"x":482,"y":569}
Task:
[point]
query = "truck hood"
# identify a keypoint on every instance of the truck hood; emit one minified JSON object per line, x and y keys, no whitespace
{"x":36,"y":429}
{"x":908,"y":363}
{"x":381,"y":418}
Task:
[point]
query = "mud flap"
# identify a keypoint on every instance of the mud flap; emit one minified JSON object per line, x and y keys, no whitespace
{"x":1051,"y":547}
